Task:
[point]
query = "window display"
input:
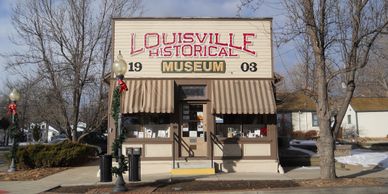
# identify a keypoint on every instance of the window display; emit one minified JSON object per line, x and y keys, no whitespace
{"x":147,"y":126}
{"x":236,"y":126}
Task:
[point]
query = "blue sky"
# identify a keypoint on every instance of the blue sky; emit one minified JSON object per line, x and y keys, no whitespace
{"x":283,"y":57}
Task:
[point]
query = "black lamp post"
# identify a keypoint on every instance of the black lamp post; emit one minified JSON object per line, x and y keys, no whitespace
{"x":14,"y":96}
{"x":119,"y":67}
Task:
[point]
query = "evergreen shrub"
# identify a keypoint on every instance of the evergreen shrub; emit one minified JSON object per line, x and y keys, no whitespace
{"x":64,"y":154}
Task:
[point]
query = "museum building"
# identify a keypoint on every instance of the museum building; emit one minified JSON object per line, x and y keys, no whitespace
{"x":200,"y":96}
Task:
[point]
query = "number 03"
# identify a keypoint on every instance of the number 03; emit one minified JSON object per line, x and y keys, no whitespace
{"x":252,"y":67}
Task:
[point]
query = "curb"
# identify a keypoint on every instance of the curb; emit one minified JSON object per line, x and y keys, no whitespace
{"x":323,"y":190}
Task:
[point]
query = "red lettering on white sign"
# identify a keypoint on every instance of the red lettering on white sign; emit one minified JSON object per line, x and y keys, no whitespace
{"x":190,"y":44}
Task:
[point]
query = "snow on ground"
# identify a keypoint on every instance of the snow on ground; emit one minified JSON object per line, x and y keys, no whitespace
{"x":365,"y":158}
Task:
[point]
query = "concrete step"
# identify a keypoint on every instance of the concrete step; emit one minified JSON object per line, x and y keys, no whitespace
{"x":193,"y":171}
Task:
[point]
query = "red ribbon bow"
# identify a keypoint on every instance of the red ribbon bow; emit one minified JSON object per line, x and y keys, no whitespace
{"x":12,"y":108}
{"x":123,"y":86}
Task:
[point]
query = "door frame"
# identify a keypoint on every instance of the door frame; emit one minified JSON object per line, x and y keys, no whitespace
{"x":205,"y":101}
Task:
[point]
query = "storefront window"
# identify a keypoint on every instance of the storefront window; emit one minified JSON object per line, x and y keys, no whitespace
{"x":241,"y":126}
{"x":147,"y":126}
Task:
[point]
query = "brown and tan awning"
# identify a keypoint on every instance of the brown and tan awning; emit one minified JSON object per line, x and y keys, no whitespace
{"x":148,"y":96}
{"x":243,"y":97}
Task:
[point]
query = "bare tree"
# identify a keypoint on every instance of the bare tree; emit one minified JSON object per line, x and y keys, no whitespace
{"x":248,"y":5}
{"x":68,"y":44}
{"x":341,"y":35}
{"x":373,"y":79}
{"x":335,"y":39}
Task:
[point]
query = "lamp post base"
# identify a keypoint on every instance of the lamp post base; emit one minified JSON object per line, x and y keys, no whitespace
{"x":120,"y":184}
{"x":12,"y":167}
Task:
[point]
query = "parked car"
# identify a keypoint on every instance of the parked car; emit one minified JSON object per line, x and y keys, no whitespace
{"x":58,"y":139}
{"x":96,"y":139}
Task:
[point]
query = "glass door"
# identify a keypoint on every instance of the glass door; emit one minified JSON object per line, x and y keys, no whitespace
{"x":193,"y":130}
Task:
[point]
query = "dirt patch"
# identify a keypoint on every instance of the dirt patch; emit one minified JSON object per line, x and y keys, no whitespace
{"x":266,"y":184}
{"x":213,"y":186}
{"x":29,"y":175}
{"x":106,"y":188}
{"x":371,"y":139}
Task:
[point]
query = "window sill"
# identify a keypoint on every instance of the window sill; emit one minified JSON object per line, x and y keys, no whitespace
{"x":244,"y":140}
{"x":132,"y":140}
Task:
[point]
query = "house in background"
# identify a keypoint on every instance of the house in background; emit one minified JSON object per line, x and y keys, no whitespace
{"x":81,"y":126}
{"x":47,"y":132}
{"x":366,"y":117}
{"x":295,"y":112}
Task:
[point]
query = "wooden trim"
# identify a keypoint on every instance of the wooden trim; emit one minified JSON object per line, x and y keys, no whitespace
{"x":195,"y":18}
{"x":191,"y":79}
{"x":243,"y":158}
{"x":148,"y":140}
{"x":259,"y":140}
{"x":274,"y":144}
{"x":207,"y":158}
{"x":272,"y":58}
{"x":156,"y":158}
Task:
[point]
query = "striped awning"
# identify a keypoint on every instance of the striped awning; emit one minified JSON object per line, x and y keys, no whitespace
{"x":243,"y":97}
{"x":149,"y":96}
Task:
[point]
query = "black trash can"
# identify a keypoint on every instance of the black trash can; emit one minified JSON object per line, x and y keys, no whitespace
{"x":106,"y":168}
{"x":134,"y":163}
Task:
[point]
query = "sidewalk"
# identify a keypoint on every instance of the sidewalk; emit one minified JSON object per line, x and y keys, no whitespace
{"x":88,"y":176}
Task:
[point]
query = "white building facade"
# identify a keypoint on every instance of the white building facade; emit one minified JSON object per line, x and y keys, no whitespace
{"x":366,"y":117}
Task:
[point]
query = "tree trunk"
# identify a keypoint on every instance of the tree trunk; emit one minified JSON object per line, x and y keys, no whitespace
{"x":326,"y":150}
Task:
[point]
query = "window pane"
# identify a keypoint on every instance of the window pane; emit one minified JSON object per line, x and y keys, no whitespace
{"x":315,"y":119}
{"x":193,"y":91}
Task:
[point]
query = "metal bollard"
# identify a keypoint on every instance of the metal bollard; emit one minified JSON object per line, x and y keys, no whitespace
{"x":106,"y":168}
{"x":134,"y":164}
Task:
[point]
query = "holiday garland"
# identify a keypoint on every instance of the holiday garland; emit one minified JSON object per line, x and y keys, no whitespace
{"x":123,"y":164}
{"x":14,"y":131}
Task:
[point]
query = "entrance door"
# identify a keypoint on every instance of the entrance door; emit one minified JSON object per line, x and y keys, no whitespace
{"x":193,"y":130}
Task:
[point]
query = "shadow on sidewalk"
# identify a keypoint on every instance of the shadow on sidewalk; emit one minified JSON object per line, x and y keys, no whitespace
{"x":379,"y":167}
{"x":364,"y":172}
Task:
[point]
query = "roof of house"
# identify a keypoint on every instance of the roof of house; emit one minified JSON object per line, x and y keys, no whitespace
{"x":293,"y":102}
{"x":369,"y":104}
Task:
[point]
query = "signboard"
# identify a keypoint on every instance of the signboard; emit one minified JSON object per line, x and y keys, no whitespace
{"x":194,"y":48}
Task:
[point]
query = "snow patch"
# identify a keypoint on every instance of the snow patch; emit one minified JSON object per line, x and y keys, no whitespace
{"x":365,"y":158}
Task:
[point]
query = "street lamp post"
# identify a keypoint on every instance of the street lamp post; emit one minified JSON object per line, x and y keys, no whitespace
{"x":119,"y":67}
{"x":14,"y":96}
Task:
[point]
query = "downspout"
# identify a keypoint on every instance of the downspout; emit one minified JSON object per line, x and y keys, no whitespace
{"x":306,"y":123}
{"x":358,"y":132}
{"x":299,"y":127}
